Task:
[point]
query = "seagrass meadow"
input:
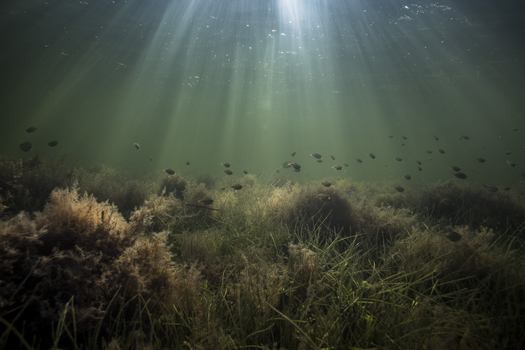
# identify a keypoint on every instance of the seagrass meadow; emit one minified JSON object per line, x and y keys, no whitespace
{"x":262,"y":174}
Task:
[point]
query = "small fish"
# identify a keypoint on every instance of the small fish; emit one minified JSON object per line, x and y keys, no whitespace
{"x":188,"y":163}
{"x":408,"y":177}
{"x":429,"y":152}
{"x":236,"y":187}
{"x":404,"y":137}
{"x":346,"y":165}
{"x":419,"y":168}
{"x":481,"y":160}
{"x":444,"y":222}
{"x":136,"y":145}
{"x":278,"y":171}
{"x":337,"y":167}
{"x":418,"y":162}
{"x":359,"y":160}
{"x":316,"y":155}
{"x":512,"y":164}
{"x":372,"y":155}
{"x":508,"y":153}
{"x":323,"y":196}
{"x":294,"y":165}
{"x":453,"y":236}
{"x":326,"y":184}
{"x":26,"y":146}
{"x":402,"y":144}
{"x":521,"y":173}
{"x":246,"y":173}
{"x":52,"y":143}
{"x":297,"y":170}
{"x":514,"y":129}
{"x":390,"y":136}
{"x":463,"y":137}
{"x":505,"y":188}
{"x":31,"y":129}
{"x":436,"y":138}
{"x":460,"y":176}
{"x":399,"y":188}
{"x":293,"y":153}
{"x":169,"y":171}
{"x":150,"y":159}
{"x":455,"y":168}
{"x":226,"y":165}
{"x":441,"y":151}
{"x":333,"y":158}
{"x":490,"y":187}
{"x":229,"y":172}
{"x":286,"y":165}
{"x":398,"y":159}
{"x":206,"y":201}
{"x":319,"y":160}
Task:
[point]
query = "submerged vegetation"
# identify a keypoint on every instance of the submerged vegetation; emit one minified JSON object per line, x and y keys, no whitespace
{"x":93,"y":259}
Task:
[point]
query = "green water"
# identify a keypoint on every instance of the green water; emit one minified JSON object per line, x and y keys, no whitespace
{"x":250,"y":82}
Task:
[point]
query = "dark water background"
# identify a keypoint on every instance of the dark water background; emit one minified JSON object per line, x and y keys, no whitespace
{"x":249,"y":82}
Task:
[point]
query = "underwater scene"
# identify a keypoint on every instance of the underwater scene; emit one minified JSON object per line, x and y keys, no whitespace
{"x":262,"y":174}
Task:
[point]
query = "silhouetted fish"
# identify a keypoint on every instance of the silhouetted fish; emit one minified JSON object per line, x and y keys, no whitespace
{"x":188,"y":163}
{"x":169,"y":171}
{"x":227,"y":165}
{"x":206,"y":201}
{"x":323,"y":196}
{"x":333,"y":158}
{"x":294,"y":165}
{"x":246,"y":173}
{"x":408,"y":177}
{"x":229,"y":172}
{"x":31,"y":129}
{"x":337,"y":167}
{"x":490,"y":187}
{"x":481,"y":160}
{"x":455,"y":168}
{"x":236,"y":187}
{"x":346,"y":165}
{"x":441,"y":151}
{"x":436,"y":138}
{"x":293,"y":153}
{"x":326,"y":184}
{"x":418,"y":162}
{"x":512,"y":164}
{"x":429,"y":152}
{"x":372,"y":155}
{"x":286,"y":165}
{"x":319,"y":160}
{"x":460,"y":175}
{"x":419,"y":168}
{"x":453,"y":236}
{"x":398,"y":159}
{"x":26,"y":146}
{"x":52,"y":143}
{"x":402,"y":144}
{"x":505,"y":188}
{"x":359,"y":160}
{"x":404,"y":137}
{"x":399,"y":189}
{"x":508,"y":153}
{"x":316,"y":155}
{"x":463,"y":137}
{"x":136,"y":145}
{"x":390,"y":136}
{"x":514,"y":129}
